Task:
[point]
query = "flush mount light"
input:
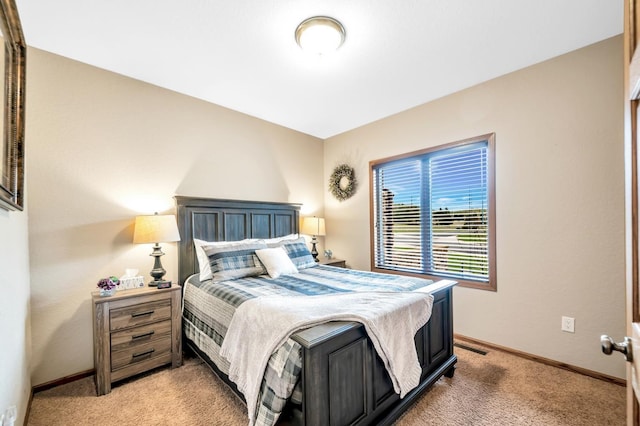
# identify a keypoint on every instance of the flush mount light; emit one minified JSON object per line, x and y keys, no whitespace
{"x":320,"y":35}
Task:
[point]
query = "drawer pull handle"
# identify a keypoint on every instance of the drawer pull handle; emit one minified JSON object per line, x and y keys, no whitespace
{"x":149,"y":352}
{"x":141,"y":314}
{"x":140,"y":336}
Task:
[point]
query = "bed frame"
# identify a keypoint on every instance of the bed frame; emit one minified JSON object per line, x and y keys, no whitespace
{"x":343,"y":380}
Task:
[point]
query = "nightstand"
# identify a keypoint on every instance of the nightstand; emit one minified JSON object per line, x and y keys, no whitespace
{"x":333,"y":262}
{"x":135,"y":331}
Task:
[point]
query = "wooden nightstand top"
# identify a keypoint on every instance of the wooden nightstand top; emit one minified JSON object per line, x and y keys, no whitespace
{"x":134,"y":292}
{"x":340,"y":263}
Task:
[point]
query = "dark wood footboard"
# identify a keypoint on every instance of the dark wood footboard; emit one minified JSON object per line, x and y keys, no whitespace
{"x":344,"y":382}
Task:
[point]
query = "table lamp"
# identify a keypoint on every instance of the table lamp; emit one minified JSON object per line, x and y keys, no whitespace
{"x":156,"y":229}
{"x":313,"y":226}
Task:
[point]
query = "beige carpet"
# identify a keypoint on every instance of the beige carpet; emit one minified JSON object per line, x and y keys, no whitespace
{"x":494,"y":389}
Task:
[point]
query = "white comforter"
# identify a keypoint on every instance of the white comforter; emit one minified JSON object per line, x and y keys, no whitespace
{"x":391,"y":320}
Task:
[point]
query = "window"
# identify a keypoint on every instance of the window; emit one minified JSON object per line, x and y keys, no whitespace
{"x":434,"y":213}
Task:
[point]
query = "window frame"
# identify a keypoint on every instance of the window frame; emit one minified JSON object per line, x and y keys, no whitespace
{"x":491,"y":284}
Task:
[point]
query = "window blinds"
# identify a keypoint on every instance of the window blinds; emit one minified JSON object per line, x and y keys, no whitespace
{"x":458,"y":199}
{"x":431,"y":213}
{"x":399,"y":242}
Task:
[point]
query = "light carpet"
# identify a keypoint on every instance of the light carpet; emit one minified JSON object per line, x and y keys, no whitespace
{"x":493,"y":389}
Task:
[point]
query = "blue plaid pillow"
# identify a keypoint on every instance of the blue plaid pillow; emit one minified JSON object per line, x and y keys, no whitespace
{"x":234,"y":261}
{"x":298,"y":252}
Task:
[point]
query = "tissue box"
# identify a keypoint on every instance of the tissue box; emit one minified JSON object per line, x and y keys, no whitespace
{"x":127,"y":283}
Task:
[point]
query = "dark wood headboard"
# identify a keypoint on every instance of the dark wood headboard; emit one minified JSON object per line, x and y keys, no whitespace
{"x":212,"y":219}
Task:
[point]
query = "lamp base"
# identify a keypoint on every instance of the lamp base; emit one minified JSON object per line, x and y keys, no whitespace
{"x":158,"y":271}
{"x":314,"y":251}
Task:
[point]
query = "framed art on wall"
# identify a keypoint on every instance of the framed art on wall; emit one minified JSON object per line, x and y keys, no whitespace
{"x":12,"y":149}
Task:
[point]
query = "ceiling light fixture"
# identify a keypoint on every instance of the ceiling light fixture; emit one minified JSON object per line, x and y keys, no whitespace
{"x":320,"y":35}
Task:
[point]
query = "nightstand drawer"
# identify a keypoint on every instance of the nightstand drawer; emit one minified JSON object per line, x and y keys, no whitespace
{"x":139,"y":335}
{"x":139,"y":353}
{"x":140,"y":314}
{"x":140,"y":367}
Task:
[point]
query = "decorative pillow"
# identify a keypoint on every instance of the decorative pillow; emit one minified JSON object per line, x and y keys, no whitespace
{"x":298,"y":252}
{"x":276,"y":261}
{"x":234,"y":261}
{"x":203,"y":260}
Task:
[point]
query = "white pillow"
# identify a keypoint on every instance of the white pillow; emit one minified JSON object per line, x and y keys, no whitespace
{"x":279,"y":239}
{"x":277,"y":261}
{"x":203,"y":260}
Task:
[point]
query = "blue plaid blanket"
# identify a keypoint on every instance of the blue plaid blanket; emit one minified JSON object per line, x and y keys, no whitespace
{"x":208,"y":308}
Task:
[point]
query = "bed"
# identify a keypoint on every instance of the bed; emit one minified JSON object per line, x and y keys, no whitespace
{"x":339,"y":377}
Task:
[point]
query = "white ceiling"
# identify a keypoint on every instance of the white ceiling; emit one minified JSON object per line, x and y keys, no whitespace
{"x":242,"y":54}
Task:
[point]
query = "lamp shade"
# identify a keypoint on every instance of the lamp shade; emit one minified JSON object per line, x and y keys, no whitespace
{"x":156,"y":229}
{"x":313,"y":226}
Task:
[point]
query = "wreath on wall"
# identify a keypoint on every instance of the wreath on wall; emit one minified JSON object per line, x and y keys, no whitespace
{"x":342,"y":183}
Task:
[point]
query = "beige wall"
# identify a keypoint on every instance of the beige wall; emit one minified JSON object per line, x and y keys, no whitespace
{"x":560,"y":201}
{"x":103,"y":148}
{"x":15,"y":327}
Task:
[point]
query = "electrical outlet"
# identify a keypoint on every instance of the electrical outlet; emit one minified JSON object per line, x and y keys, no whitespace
{"x":568,"y":324}
{"x":9,"y":416}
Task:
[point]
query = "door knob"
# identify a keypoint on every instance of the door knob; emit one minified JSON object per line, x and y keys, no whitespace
{"x":608,"y":346}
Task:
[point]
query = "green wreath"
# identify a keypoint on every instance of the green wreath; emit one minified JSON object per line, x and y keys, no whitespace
{"x":342,"y":182}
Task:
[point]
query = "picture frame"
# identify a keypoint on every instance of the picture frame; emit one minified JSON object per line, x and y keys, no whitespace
{"x":12,"y":150}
